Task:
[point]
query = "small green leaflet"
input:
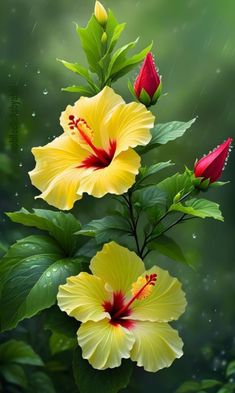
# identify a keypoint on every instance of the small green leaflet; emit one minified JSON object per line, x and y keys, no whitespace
{"x":201,"y":208}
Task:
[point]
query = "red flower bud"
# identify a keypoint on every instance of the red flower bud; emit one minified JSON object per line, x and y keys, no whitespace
{"x":211,"y":166}
{"x":147,"y":85}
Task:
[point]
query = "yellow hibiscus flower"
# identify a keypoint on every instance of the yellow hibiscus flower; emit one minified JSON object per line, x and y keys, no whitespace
{"x":95,"y":153}
{"x":124,"y":311}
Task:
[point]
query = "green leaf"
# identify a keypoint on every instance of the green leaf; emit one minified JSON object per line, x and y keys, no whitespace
{"x":113,"y":30}
{"x":31,"y":272}
{"x":90,"y":37}
{"x":228,"y":388}
{"x":173,"y":185}
{"x":145,"y":171}
{"x":59,"y":322}
{"x":106,"y":229}
{"x":78,"y":69}
{"x":167,"y":246}
{"x":123,"y":66}
{"x":209,"y":383}
{"x":61,"y":226}
{"x":14,"y":351}
{"x":166,"y":132}
{"x":15,"y":374}
{"x":59,"y":342}
{"x":230,"y":369}
{"x":188,"y":387}
{"x":40,"y":382}
{"x":119,"y":57}
{"x":149,"y":196}
{"x":83,"y":90}
{"x":201,"y":208}
{"x":105,"y":381}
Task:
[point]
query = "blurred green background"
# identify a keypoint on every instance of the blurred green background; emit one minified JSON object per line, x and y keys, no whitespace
{"x":194,"y":47}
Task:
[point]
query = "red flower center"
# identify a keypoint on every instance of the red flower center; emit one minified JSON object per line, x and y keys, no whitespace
{"x":100,"y":158}
{"x":119,"y":310}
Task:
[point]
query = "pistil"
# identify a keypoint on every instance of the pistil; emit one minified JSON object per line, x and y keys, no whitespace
{"x":150,"y":280}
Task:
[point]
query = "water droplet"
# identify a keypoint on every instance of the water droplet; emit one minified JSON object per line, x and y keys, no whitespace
{"x":9,"y":75}
{"x":16,"y":194}
{"x":33,"y":114}
{"x":209,"y":320}
{"x":38,"y":72}
{"x":45,"y":92}
{"x":54,"y":269}
{"x":48,"y":274}
{"x":20,"y":164}
{"x":26,"y":65}
{"x":21,"y":149}
{"x":218,"y":71}
{"x":194,"y":236}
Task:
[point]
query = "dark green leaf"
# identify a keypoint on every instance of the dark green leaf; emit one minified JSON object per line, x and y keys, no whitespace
{"x":201,"y":208}
{"x":148,"y":197}
{"x":166,"y":132}
{"x":106,"y":381}
{"x":173,"y":185}
{"x":40,"y":382}
{"x":106,"y":229}
{"x":188,"y":387}
{"x":15,"y":374}
{"x":31,"y":272}
{"x":59,"y":342}
{"x":119,"y":57}
{"x":59,"y":322}
{"x":230,"y":369}
{"x":167,"y":246}
{"x":90,"y":37}
{"x":14,"y":351}
{"x":228,"y":388}
{"x":61,"y":226}
{"x":209,"y":383}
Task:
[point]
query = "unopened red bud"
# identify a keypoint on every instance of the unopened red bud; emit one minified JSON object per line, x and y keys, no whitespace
{"x":147,"y":85}
{"x":211,"y":166}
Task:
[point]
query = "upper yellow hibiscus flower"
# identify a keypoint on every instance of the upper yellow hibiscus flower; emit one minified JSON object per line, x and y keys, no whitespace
{"x":124,"y":311}
{"x":95,"y":153}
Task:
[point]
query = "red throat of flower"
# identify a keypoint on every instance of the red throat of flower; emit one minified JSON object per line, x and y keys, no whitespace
{"x":100,"y":158}
{"x":119,"y":310}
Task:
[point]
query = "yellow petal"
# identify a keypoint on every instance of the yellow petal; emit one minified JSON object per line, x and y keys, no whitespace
{"x":56,"y":173}
{"x":130,"y":126}
{"x":156,"y":346}
{"x":82,"y":297}
{"x":95,"y":111}
{"x":116,"y":178}
{"x":117,"y":266}
{"x":166,"y":301}
{"x":100,"y":13}
{"x":103,"y":344}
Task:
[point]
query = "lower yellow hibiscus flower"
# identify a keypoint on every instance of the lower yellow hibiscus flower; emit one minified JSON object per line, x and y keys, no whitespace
{"x":124,"y":311}
{"x":95,"y":154}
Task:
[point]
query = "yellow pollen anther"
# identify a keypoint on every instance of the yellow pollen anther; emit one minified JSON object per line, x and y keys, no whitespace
{"x":141,"y":283}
